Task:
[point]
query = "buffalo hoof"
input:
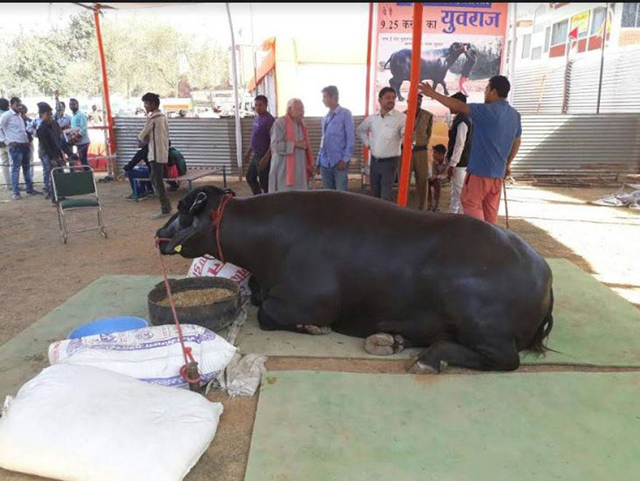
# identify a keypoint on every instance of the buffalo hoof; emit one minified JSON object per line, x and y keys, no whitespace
{"x":314,"y":330}
{"x":382,"y":344}
{"x":422,"y":368}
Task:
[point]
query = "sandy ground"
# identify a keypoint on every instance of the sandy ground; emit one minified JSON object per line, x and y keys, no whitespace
{"x":606,"y":238}
{"x":37,"y":273}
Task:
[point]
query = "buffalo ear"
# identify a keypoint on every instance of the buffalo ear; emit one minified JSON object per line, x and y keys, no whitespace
{"x":198,"y":204}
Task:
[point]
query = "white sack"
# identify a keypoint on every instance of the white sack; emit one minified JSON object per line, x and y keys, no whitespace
{"x":151,"y":354}
{"x":78,"y":423}
{"x":209,"y":266}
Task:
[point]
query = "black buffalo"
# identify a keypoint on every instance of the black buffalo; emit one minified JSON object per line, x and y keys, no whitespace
{"x":472,"y":293}
{"x":434,"y":66}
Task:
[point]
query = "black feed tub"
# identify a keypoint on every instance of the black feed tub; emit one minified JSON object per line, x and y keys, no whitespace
{"x":215,"y":316}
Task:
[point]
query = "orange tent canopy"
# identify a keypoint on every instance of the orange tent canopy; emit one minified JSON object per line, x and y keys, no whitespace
{"x":268,"y":54}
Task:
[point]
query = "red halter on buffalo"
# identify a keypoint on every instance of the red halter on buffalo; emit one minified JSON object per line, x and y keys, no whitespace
{"x":216,"y":217}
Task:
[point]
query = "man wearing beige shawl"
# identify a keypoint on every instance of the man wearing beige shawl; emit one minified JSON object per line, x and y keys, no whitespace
{"x":156,"y":134}
{"x":292,"y":160}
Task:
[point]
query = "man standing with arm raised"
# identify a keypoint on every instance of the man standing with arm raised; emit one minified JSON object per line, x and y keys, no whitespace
{"x":495,"y":142}
{"x":80,"y":126}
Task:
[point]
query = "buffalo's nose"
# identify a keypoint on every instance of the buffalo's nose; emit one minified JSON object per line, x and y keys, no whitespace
{"x":163,"y":245}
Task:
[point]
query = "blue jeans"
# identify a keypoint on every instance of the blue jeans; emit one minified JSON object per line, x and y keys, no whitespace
{"x":47,"y":168}
{"x":20,"y":157}
{"x":46,"y":172}
{"x":140,"y":188}
{"x":83,"y":150}
{"x":31,"y":163}
{"x":335,"y":179}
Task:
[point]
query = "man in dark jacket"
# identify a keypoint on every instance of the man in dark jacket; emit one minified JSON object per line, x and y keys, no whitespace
{"x":49,"y":145}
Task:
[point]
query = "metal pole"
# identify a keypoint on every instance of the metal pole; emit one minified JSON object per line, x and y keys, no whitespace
{"x":253,"y":48}
{"x":604,"y":41}
{"x":105,"y":91}
{"x":514,"y":39}
{"x":367,"y":101}
{"x":412,"y":107}
{"x":565,"y":91}
{"x":235,"y":95}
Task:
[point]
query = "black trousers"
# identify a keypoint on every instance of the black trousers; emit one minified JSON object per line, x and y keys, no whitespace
{"x":258,"y":179}
{"x":383,"y":174}
{"x":158,"y":184}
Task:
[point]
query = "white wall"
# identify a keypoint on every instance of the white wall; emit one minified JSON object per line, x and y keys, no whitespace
{"x":312,"y":78}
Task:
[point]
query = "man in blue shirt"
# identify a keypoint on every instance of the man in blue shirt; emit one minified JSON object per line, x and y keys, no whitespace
{"x":80,"y":131}
{"x":495,"y":141}
{"x":336,"y":147}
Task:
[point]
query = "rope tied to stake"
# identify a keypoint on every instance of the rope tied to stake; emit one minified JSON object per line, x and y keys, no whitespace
{"x":189,"y":371}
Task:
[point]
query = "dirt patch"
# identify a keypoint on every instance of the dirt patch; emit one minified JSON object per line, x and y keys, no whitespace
{"x":226,"y":459}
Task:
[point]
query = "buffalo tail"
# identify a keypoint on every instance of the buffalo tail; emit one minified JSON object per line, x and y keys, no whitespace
{"x":537,"y":344}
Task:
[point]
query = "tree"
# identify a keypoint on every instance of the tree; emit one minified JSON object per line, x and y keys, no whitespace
{"x":77,"y":41}
{"x":37,"y":65}
{"x":140,"y":58}
{"x":209,"y":67}
{"x":9,"y":84}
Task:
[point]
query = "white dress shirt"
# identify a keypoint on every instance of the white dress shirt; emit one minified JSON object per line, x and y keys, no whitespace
{"x":386,"y":133}
{"x":13,"y":128}
{"x":2,"y":138}
{"x":458,"y":148}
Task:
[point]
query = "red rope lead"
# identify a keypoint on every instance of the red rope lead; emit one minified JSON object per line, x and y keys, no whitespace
{"x":186,"y":351}
{"x":189,"y":371}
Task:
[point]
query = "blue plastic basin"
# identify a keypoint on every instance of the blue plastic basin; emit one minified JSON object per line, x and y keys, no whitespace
{"x":109,"y":325}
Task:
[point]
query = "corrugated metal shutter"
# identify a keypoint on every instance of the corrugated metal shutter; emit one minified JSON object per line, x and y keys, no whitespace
{"x":575,"y":145}
{"x":203,"y":142}
{"x":620,"y":85}
{"x":211,"y":142}
{"x":539,"y":88}
{"x":571,"y":145}
{"x":584,"y":75}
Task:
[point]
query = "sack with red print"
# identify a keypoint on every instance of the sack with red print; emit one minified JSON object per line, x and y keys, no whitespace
{"x":209,"y":266}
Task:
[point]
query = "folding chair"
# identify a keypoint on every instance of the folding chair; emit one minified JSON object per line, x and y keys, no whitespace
{"x":78,"y":182}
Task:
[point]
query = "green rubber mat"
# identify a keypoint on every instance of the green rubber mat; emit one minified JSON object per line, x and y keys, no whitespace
{"x":24,"y":356}
{"x":321,"y":426}
{"x":593,"y":326}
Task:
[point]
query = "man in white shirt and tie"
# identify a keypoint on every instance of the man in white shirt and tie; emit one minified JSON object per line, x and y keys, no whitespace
{"x":382,"y":133}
